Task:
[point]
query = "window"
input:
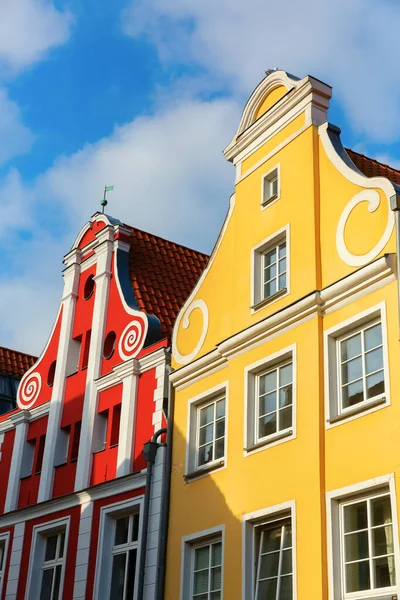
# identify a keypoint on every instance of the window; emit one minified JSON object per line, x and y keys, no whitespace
{"x":3,"y":558}
{"x":40,"y":453}
{"x":75,"y":441}
{"x":8,"y":393}
{"x":118,"y":555}
{"x":270,"y":186}
{"x":124,"y":557}
{"x":274,"y":562}
{"x":210,"y":432}
{"x":207,"y":571}
{"x":356,"y":354}
{"x":207,"y":431}
{"x":270,"y":268}
{"x":52,"y":567}
{"x":202,"y":565}
{"x":116,"y":419}
{"x":269,"y":553}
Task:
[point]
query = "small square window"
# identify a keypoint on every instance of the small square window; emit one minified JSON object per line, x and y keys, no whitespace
{"x":270,"y":269}
{"x":270,"y":186}
{"x":202,"y":565}
{"x":207,"y":432}
{"x":356,"y":356}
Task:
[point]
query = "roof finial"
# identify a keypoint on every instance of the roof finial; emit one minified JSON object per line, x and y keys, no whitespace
{"x":107,"y":188}
{"x":269,"y":71}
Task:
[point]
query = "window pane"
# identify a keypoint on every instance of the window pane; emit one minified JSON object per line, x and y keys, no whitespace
{"x":130,"y":584}
{"x":285,"y":396}
{"x":47,"y":582}
{"x":206,"y":434}
{"x":285,"y":375}
{"x":216,"y":578}
{"x":216,"y":558}
{"x":205,"y":454}
{"x":267,"y":425}
{"x":121,"y":531}
{"x":202,"y":558}
{"x":135,"y":527}
{"x":270,"y":257}
{"x":271,"y":540}
{"x":358,"y":577}
{"x":267,"y":404}
{"x":220,"y":408}
{"x":269,"y":565}
{"x":220,"y":428}
{"x":220,"y":448}
{"x":351,"y":347}
{"x":274,"y":186}
{"x":381,"y":510}
{"x":285,"y":418}
{"x":57,"y":579}
{"x":214,"y":596}
{"x":270,"y":288}
{"x":282,"y":266}
{"x":1,"y":555}
{"x":352,"y":370}
{"x":5,"y":386}
{"x":201,"y":582}
{"x":375,"y":385}
{"x":282,"y":250}
{"x":282,"y":281}
{"x":118,"y":577}
{"x":382,"y":540}
{"x":287,"y":540}
{"x":51,"y":545}
{"x":384,"y":572}
{"x":207,"y":414}
{"x":270,"y":273}
{"x":374,"y":360}
{"x":61,"y":545}
{"x":267,"y":589}
{"x":355,"y":517}
{"x":373,"y":336}
{"x":356,"y":546}
{"x":352,"y":394}
{"x":286,"y":562}
{"x":286,"y":588}
{"x":268,"y":382}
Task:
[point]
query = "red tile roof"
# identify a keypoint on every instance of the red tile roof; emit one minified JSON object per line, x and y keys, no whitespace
{"x":15,"y":363}
{"x":372,"y":168}
{"x":163,"y":274}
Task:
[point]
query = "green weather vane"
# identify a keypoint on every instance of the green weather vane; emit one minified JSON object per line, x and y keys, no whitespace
{"x":107,"y":188}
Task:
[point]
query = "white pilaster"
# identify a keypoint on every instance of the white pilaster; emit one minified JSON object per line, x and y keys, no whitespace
{"x":127,"y":424}
{"x":82,"y":555}
{"x":71,"y":281}
{"x":15,"y":562}
{"x":21,"y":429}
{"x":103,"y":274}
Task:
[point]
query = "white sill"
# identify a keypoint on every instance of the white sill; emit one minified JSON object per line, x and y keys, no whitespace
{"x":358,"y":409}
{"x":269,"y":200}
{"x":266,"y":442}
{"x":201,"y":471}
{"x":265,"y":301}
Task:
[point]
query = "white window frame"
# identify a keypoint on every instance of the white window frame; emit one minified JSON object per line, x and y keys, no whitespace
{"x":257,"y":255}
{"x":250,"y":523}
{"x":251,"y":374}
{"x":334,"y":414}
{"x":192,"y":471}
{"x":335,"y":500}
{"x":189,"y":544}
{"x":108,"y":515}
{"x":269,"y":176}
{"x":38,"y":547}
{"x":4,"y":538}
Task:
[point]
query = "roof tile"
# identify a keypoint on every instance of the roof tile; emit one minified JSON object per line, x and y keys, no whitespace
{"x":15,"y":363}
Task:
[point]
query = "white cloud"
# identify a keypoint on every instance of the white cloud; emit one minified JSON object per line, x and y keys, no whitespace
{"x":28,"y":29}
{"x":15,"y":138}
{"x":351,"y":45}
{"x":170,"y":178}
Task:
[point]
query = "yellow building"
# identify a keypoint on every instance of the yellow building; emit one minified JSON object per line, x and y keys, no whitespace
{"x":286,"y":450}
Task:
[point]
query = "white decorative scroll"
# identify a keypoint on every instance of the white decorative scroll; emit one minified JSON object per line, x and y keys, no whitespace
{"x":183,"y":359}
{"x":358,"y":260}
{"x":29,"y":390}
{"x":132,"y":339}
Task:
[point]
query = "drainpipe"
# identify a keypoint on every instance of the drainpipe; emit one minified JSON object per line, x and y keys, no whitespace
{"x":395,"y":206}
{"x":150,"y":452}
{"x":162,"y":550}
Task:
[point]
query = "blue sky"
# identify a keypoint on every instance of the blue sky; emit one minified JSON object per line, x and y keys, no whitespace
{"x":145,"y":94}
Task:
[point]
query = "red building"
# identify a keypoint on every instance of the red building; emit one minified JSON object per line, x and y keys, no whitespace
{"x":82,"y":513}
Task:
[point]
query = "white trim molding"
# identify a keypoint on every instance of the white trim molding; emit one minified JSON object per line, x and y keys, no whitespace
{"x":252,"y":521}
{"x":333,"y":414}
{"x":189,"y":542}
{"x":334,"y":499}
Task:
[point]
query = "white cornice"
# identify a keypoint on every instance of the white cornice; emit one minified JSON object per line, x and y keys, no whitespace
{"x":103,"y":490}
{"x":24,"y":416}
{"x":363,"y":281}
{"x":133,"y":366}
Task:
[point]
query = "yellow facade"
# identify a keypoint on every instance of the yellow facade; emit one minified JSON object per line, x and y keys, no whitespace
{"x":340,"y":243}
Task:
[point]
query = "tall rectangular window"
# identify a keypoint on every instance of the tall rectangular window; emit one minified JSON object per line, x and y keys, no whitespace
{"x":270,"y":268}
{"x":2,"y":562}
{"x":270,"y":186}
{"x":207,"y":571}
{"x":124,"y":557}
{"x":367,"y":545}
{"x":274,"y":270}
{"x":210,"y":431}
{"x":274,"y":401}
{"x":52,"y":567}
{"x":274,"y":561}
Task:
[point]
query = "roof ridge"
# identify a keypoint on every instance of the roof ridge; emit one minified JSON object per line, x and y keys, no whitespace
{"x":18,"y":352}
{"x":154,"y":235}
{"x":375,"y":160}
